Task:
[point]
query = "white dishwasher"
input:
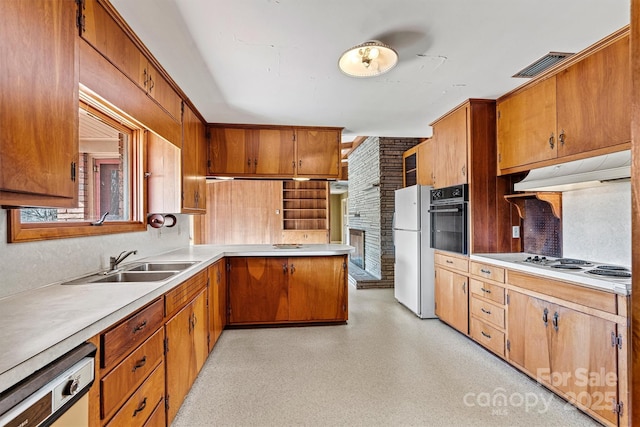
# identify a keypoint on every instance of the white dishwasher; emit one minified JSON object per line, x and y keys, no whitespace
{"x":56,"y":395}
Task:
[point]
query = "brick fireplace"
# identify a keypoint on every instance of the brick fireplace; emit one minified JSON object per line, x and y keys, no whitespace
{"x":375,"y":172}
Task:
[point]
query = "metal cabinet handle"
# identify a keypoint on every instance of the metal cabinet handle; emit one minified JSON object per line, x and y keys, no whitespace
{"x":284,"y":268}
{"x":248,"y":162}
{"x":449,"y":261}
{"x":555,"y":321}
{"x":561,"y":137}
{"x":293,"y":164}
{"x":482,"y":270}
{"x":485,"y":311}
{"x":300,"y":163}
{"x":139,"y":364}
{"x":292,"y":268}
{"x":140,"y":327}
{"x":545,"y":315}
{"x":464,"y":170}
{"x":486,"y":291}
{"x":486,"y":335}
{"x":141,"y":407}
{"x":464,"y":287}
{"x":255,"y":162}
{"x":551,"y":141}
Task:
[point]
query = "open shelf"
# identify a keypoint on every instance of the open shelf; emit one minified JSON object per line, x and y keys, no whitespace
{"x":553,"y":198}
{"x":305,"y":205}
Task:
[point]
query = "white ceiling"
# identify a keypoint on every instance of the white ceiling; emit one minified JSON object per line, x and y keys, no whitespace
{"x":275,"y":61}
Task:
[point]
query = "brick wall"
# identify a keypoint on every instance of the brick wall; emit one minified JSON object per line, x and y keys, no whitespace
{"x":375,"y":172}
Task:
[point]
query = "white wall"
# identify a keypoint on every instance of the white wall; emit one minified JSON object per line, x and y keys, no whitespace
{"x":596,"y":223}
{"x":25,"y":266}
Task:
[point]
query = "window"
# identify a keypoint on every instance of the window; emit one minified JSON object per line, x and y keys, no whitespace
{"x":109,"y":191}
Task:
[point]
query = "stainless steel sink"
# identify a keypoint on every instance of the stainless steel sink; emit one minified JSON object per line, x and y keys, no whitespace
{"x":136,"y":276}
{"x":123,"y":277}
{"x":162,"y":266}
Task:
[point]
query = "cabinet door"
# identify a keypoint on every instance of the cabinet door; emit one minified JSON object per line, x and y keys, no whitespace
{"x":229,"y":152}
{"x":273,"y":152}
{"x":528,"y":339}
{"x":186,"y":351}
{"x":258,"y":290}
{"x":193,"y":164}
{"x":160,"y":90}
{"x":450,"y":136}
{"x":317,"y":288}
{"x":318,"y":153}
{"x":527,"y":126}
{"x":217,"y":301}
{"x":39,"y":103}
{"x":452,"y":299}
{"x":425,"y":163}
{"x":594,"y":101}
{"x":583,"y":360}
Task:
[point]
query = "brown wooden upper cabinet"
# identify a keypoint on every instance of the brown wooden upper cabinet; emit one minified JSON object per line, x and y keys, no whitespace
{"x":103,"y":32}
{"x":39,"y":104}
{"x":283,"y":152}
{"x":425,"y":163}
{"x":580,"y":110}
{"x":463,"y":142}
{"x":450,"y":136}
{"x":194,"y":163}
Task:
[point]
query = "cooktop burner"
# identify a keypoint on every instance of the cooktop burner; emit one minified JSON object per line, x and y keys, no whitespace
{"x":609,"y":273}
{"x":612,"y":267}
{"x":570,"y":261}
{"x":566,"y":266}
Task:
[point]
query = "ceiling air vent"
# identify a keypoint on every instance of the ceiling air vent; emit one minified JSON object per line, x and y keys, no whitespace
{"x":547,"y":61}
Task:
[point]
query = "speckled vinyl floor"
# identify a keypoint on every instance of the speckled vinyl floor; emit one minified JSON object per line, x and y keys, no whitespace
{"x":385,"y":367}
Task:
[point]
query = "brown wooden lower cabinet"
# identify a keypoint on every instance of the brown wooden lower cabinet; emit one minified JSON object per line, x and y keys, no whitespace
{"x":452,"y":290}
{"x":187,"y":350}
{"x":569,"y":351}
{"x":217,"y":300}
{"x":268,"y":290}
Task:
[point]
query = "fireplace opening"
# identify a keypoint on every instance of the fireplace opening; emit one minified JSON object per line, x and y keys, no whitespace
{"x":356,"y":239}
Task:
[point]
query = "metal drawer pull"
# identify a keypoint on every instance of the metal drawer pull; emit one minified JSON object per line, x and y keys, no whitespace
{"x":486,"y":335}
{"x":449,"y":261}
{"x":487,"y":291}
{"x":485,"y":311}
{"x":555,"y":320}
{"x":140,"y":327}
{"x":141,"y":407}
{"x":482,"y":270}
{"x":545,"y":314}
{"x":139,"y":364}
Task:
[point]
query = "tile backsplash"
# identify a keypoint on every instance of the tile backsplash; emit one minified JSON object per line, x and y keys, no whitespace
{"x":596,"y":223}
{"x":25,"y":266}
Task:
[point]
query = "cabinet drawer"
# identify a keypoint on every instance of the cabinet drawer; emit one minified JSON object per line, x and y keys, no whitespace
{"x":487,"y":290}
{"x":448,"y":261}
{"x":488,"y":312}
{"x":487,"y":271}
{"x":488,"y":336}
{"x":118,"y":385}
{"x":138,"y":408}
{"x":179,"y":296}
{"x":129,"y":334}
{"x":157,"y":418}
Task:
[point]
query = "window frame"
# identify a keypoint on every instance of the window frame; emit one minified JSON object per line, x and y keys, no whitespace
{"x":29,"y":232}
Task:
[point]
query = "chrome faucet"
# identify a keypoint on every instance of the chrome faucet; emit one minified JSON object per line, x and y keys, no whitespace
{"x":115,"y":261}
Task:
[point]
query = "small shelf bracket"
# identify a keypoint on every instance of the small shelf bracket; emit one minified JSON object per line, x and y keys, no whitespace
{"x":554,"y":199}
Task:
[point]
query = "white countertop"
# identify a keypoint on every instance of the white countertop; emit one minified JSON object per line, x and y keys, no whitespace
{"x":513,"y":261}
{"x":43,"y":324}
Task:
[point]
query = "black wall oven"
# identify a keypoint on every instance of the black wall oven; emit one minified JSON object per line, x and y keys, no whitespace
{"x":449,"y":219}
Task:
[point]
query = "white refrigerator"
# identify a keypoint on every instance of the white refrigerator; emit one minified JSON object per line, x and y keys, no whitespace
{"x":413,"y":268}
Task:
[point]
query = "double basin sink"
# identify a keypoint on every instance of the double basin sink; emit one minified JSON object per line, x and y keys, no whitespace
{"x":141,"y":272}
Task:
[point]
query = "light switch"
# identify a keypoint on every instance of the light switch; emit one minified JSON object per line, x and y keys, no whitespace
{"x":515,"y":232}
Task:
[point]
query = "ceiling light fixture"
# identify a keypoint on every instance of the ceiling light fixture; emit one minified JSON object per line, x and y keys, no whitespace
{"x":368,"y":59}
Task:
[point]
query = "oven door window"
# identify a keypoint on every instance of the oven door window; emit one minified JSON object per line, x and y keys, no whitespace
{"x":449,"y":228}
